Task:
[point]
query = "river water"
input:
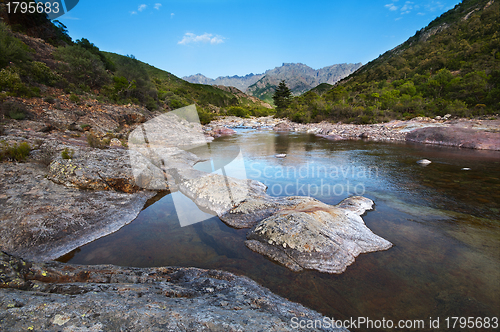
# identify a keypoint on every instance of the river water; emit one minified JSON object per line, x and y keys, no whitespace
{"x":444,"y":223}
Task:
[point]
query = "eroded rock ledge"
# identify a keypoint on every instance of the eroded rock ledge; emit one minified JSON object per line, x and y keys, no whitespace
{"x":64,"y":297}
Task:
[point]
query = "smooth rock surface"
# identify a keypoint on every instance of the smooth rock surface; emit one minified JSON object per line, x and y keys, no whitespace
{"x":460,"y":137}
{"x":64,"y":297}
{"x":42,"y":220}
{"x":313,"y":235}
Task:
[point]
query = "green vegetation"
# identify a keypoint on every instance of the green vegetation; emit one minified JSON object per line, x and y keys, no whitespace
{"x":83,"y":71}
{"x":282,"y":96}
{"x":450,"y":67}
{"x":67,"y":153}
{"x":13,"y":110}
{"x":17,"y":152}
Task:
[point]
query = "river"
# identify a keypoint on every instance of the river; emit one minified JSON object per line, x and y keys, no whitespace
{"x":444,"y":222}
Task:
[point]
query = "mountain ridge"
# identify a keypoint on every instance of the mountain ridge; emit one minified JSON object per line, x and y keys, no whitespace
{"x":300,"y":78}
{"x":312,"y":77}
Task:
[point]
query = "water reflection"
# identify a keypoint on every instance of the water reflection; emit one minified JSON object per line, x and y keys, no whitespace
{"x":444,"y":223}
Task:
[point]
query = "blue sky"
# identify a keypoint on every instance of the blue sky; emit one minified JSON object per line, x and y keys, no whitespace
{"x":238,"y":37}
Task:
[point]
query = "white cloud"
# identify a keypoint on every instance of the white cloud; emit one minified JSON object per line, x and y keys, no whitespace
{"x":204,"y":38}
{"x":172,"y":15}
{"x":397,"y":19}
{"x":391,"y":6}
{"x":133,"y":12}
{"x":157,"y":6}
{"x":142,"y":7}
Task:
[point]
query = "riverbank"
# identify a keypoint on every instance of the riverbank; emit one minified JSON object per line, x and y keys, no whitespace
{"x":459,"y":132}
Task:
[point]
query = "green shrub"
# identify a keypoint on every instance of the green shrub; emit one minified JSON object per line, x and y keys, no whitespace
{"x":11,"y":81}
{"x":238,"y":111}
{"x":13,"y":110}
{"x":18,"y":152}
{"x":75,"y":99}
{"x":43,"y":74}
{"x":81,"y":66}
{"x":67,"y":153}
{"x":11,"y":48}
{"x":49,"y":99}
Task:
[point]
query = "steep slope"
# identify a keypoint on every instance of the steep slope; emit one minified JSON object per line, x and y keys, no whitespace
{"x":30,"y":66}
{"x":450,"y":67}
{"x":239,"y":82}
{"x":299,"y":78}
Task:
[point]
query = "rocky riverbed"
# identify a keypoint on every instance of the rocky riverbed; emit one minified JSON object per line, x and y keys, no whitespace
{"x":467,"y":133}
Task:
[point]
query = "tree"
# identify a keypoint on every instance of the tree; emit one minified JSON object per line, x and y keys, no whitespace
{"x":282,"y":96}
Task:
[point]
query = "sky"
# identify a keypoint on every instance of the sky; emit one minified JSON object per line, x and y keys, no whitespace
{"x":239,"y":37}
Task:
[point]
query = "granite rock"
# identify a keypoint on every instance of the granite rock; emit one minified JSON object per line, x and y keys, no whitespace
{"x":309,"y":234}
{"x":63,"y":297}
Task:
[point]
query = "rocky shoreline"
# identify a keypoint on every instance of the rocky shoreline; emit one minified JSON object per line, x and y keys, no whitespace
{"x":64,"y":297}
{"x":466,"y":133}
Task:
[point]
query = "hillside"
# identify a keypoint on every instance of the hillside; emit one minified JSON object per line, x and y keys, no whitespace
{"x":450,"y":67}
{"x":46,"y":68}
{"x":239,"y":82}
{"x":299,"y":78}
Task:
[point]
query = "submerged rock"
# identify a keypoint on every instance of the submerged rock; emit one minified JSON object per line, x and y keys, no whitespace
{"x":424,"y":162}
{"x":313,"y":235}
{"x":109,"y":298}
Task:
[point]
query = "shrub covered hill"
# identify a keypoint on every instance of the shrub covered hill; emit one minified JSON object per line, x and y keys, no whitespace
{"x":38,"y":59}
{"x":452,"y":66}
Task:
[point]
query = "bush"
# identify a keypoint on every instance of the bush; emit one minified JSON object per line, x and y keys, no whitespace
{"x":18,"y":152}
{"x":75,"y":99}
{"x":49,"y":99}
{"x":13,"y":110}
{"x":12,"y":49}
{"x":11,"y":81}
{"x":238,"y":111}
{"x":81,"y":66}
{"x":67,"y":153}
{"x":42,"y":74}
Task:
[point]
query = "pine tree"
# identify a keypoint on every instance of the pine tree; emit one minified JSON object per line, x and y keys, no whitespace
{"x":282,"y":96}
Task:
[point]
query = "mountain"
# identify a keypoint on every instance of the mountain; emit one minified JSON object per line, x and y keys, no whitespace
{"x":452,"y":66}
{"x":239,"y":82}
{"x":299,"y":78}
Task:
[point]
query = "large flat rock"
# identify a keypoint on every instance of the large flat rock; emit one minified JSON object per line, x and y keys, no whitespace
{"x":310,"y":234}
{"x":42,"y":220}
{"x":63,"y":297}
